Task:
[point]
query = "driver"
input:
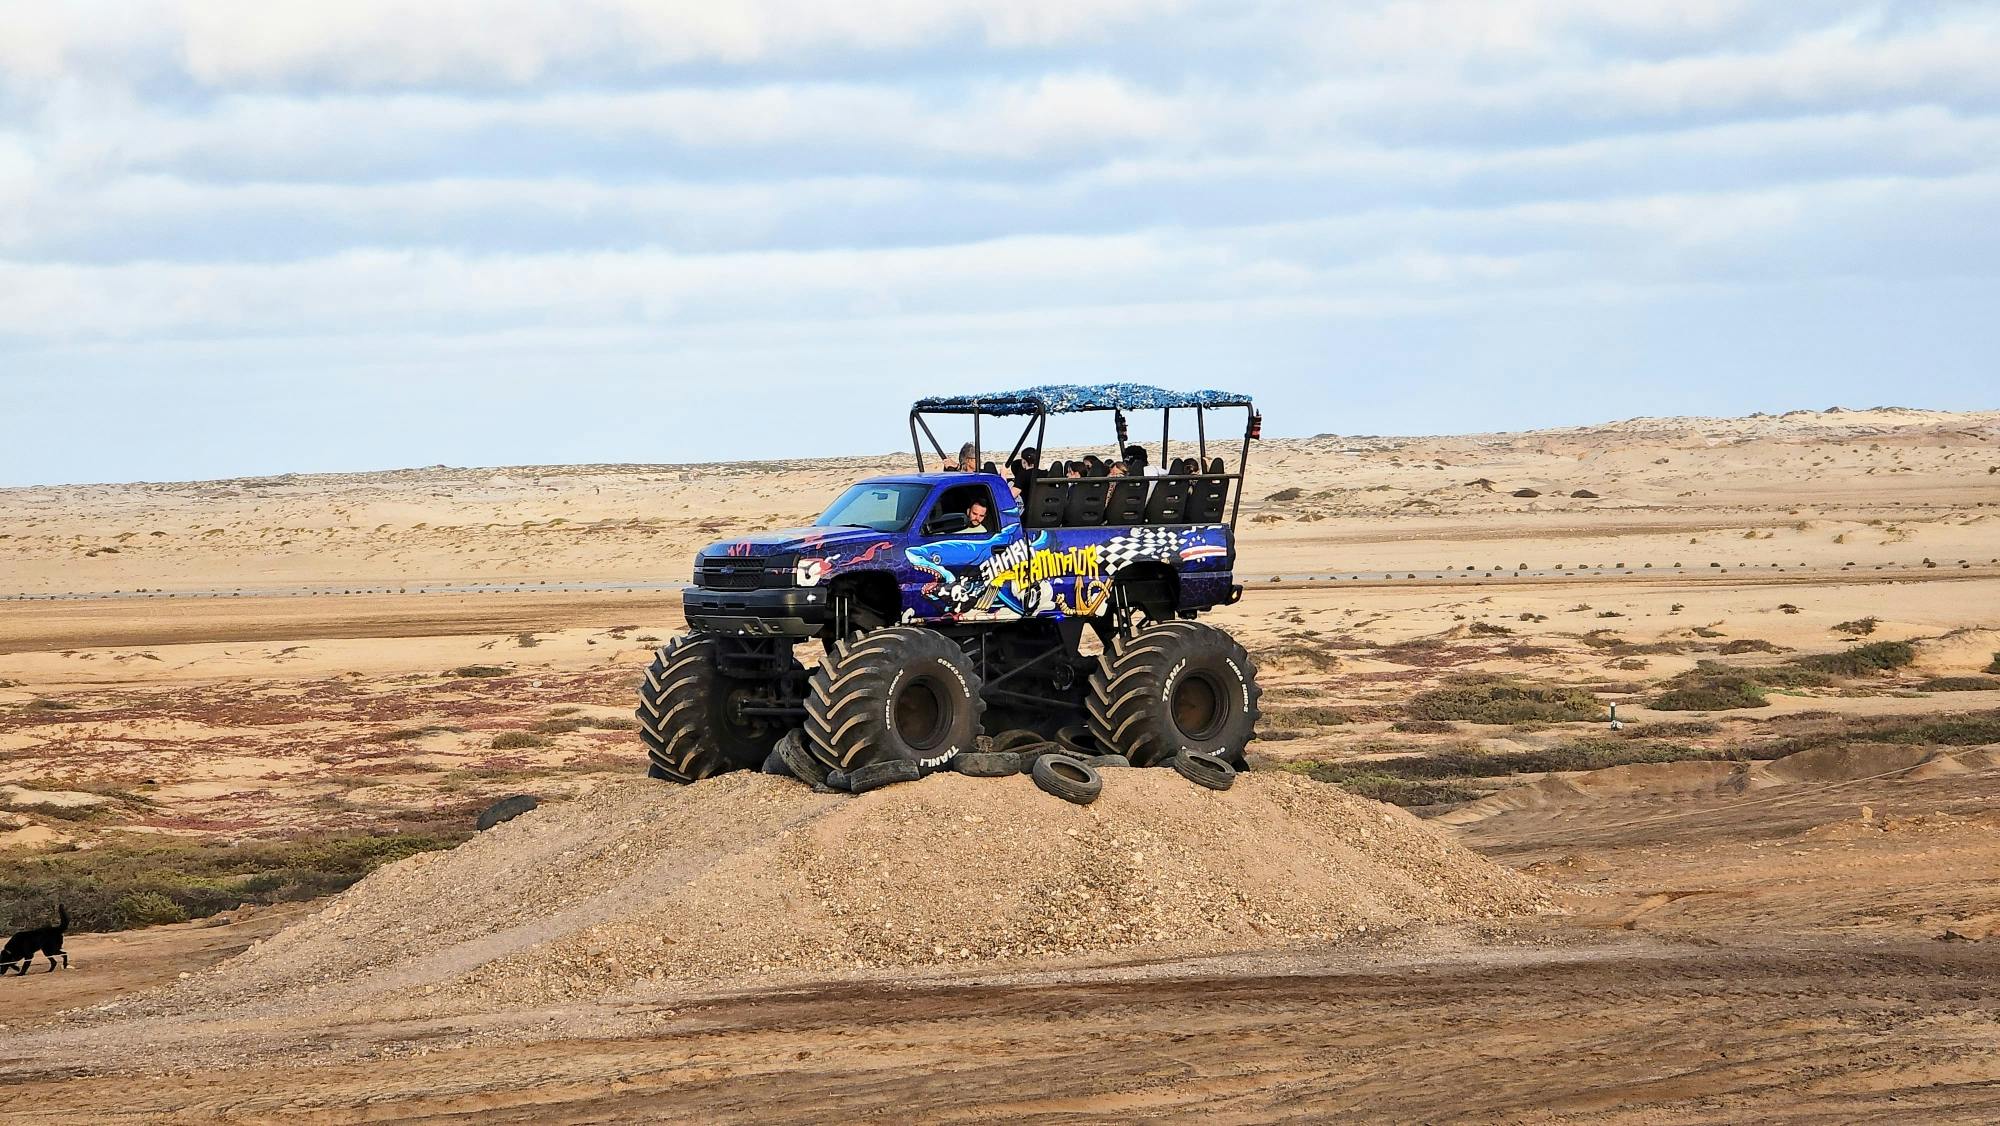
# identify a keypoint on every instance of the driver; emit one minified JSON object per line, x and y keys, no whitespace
{"x":975,"y":514}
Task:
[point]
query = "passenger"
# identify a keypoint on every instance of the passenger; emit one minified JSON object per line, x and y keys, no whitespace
{"x":1135,"y":460}
{"x":1025,"y":469}
{"x":968,"y":458}
{"x":1093,"y":466}
{"x":975,"y":515}
{"x":1074,"y":471}
{"x":1118,"y":469}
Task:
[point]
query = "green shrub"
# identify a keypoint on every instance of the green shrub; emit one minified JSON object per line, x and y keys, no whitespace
{"x":1710,"y":693}
{"x":1308,"y":715}
{"x":1861,"y":627}
{"x":1448,"y":775}
{"x":1493,"y":700}
{"x":1424,"y":726}
{"x":1959,"y":684}
{"x":1995,"y":666}
{"x":1861,"y":660}
{"x":147,"y":908}
{"x":134,"y":879}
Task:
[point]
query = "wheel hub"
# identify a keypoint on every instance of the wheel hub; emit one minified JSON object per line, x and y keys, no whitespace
{"x":919,"y":715}
{"x":1197,"y":705}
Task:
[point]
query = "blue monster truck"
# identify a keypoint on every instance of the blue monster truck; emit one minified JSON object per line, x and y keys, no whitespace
{"x":948,"y":602}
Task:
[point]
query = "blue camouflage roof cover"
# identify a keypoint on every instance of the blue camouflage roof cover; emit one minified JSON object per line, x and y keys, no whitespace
{"x":1064,"y":398}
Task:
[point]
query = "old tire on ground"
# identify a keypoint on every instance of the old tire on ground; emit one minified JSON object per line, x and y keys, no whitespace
{"x":899,"y":693}
{"x":1033,"y":752}
{"x":987,"y":764}
{"x":1077,"y":739}
{"x":1174,"y":686}
{"x":506,"y":809}
{"x":1102,"y":761}
{"x":1016,"y":739}
{"x":799,"y":763}
{"x":888,"y":772}
{"x":774,"y":765}
{"x":687,"y":717}
{"x":1069,"y":778}
{"x":1212,"y":771}
{"x":837,"y":781}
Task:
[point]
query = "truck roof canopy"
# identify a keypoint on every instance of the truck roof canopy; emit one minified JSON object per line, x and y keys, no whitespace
{"x":1072,"y":398}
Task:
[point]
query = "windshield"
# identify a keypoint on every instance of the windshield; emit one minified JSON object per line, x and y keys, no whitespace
{"x":883,"y":507}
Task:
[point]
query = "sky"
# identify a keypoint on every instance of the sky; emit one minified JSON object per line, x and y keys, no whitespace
{"x":251,"y":237}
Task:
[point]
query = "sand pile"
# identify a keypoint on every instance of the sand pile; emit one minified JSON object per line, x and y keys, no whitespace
{"x":746,"y":876}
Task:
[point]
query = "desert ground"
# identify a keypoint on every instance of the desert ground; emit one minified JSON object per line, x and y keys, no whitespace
{"x":1449,"y":888}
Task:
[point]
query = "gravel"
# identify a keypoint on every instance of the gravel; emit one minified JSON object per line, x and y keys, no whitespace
{"x":752,"y":878}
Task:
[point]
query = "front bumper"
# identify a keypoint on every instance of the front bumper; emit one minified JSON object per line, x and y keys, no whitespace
{"x":784,"y":612}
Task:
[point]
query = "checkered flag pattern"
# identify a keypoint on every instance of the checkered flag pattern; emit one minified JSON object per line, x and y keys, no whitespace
{"x":1163,"y":544}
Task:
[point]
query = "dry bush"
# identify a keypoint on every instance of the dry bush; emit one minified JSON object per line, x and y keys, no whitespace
{"x":1309,"y":715}
{"x":517,"y":740}
{"x":1959,"y":684}
{"x":1860,"y":626}
{"x":1862,"y":660}
{"x":134,"y":880}
{"x":471,"y":672}
{"x":1712,"y":687}
{"x":1495,"y":700}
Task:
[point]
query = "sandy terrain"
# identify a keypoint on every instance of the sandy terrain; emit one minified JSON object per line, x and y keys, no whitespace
{"x":1782,"y":910}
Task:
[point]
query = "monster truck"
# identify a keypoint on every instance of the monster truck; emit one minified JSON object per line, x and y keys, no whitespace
{"x":953,"y":602}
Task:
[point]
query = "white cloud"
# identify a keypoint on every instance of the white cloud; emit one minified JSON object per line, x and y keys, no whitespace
{"x":257,"y":180}
{"x":363,"y":44}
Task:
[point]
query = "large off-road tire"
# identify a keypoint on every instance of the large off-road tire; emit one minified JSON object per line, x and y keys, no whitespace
{"x":1174,"y":686}
{"x":685,"y":716}
{"x":904,"y":692}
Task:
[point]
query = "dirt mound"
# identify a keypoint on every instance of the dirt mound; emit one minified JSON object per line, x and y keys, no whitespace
{"x":748,"y":876}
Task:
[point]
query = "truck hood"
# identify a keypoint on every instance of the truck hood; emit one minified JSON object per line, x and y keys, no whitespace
{"x":805,"y":541}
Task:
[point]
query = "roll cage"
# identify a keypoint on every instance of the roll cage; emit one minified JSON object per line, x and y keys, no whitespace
{"x":1036,"y":404}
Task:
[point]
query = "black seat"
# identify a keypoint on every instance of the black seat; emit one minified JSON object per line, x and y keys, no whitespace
{"x":1043,"y":506}
{"x":1087,"y":499}
{"x":1211,"y":495}
{"x":1127,"y":503}
{"x":1169,"y":502}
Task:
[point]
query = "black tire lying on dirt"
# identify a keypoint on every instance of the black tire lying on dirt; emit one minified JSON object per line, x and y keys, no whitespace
{"x":888,"y":772}
{"x":799,"y":763}
{"x":1033,"y":752}
{"x":775,"y":766}
{"x":1102,"y":761}
{"x":987,"y":764}
{"x":1069,"y":778}
{"x":1212,"y":771}
{"x":1174,"y":686}
{"x":687,"y":716}
{"x":1077,"y":739}
{"x":904,"y":692}
{"x":838,"y":781}
{"x":506,"y":809}
{"x":1019,"y":738}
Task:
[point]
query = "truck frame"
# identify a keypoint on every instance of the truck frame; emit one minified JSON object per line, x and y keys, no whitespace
{"x":949,"y":603}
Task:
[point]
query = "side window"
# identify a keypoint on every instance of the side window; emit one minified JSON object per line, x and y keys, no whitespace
{"x":963,"y":500}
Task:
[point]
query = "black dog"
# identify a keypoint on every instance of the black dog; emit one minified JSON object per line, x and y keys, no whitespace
{"x":46,"y":941}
